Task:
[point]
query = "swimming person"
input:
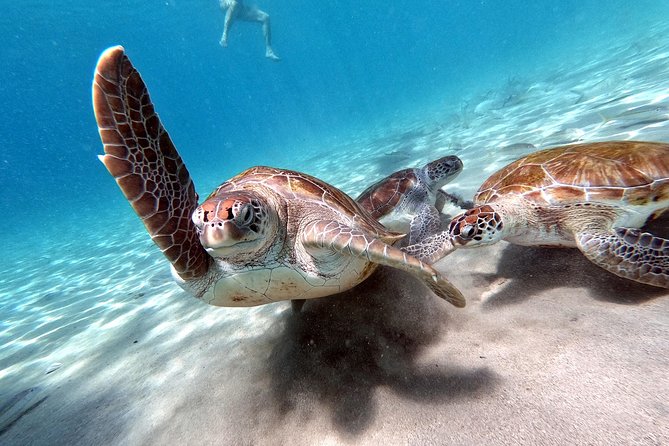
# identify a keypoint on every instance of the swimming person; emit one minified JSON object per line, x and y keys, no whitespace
{"x":237,"y":10}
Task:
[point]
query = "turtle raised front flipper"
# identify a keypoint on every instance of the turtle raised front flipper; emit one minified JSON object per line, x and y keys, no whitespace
{"x":142,"y":158}
{"x":331,"y":235}
{"x":629,"y":253}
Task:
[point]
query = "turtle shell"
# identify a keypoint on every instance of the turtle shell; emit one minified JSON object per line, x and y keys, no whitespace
{"x":622,"y":172}
{"x":297,"y":185}
{"x":382,"y":197}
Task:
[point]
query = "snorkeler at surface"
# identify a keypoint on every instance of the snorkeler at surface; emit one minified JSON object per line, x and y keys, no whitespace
{"x":237,"y":10}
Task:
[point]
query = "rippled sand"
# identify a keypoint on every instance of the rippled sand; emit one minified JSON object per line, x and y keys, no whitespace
{"x":99,"y":346}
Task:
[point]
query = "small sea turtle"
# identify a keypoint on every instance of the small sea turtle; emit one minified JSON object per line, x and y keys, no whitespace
{"x":263,"y":236}
{"x":405,"y":200}
{"x":590,"y":196}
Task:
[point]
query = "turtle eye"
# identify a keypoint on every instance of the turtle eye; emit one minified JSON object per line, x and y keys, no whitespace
{"x":244,"y":215}
{"x":468,"y":232}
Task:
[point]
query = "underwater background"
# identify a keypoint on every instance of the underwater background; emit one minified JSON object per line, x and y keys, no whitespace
{"x":94,"y":332}
{"x":352,"y":69}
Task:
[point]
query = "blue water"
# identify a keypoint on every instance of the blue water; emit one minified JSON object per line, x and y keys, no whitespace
{"x":99,"y":346}
{"x":347,"y":67}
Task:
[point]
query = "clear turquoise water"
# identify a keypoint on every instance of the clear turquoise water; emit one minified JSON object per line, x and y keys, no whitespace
{"x":349,"y":67}
{"x":364,"y":88}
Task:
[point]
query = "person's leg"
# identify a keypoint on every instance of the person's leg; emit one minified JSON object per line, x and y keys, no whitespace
{"x":229,"y":16}
{"x":256,"y":15}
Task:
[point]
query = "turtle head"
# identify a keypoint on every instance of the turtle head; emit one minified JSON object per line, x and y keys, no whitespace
{"x":481,"y":225}
{"x":234,"y":224}
{"x":442,"y":170}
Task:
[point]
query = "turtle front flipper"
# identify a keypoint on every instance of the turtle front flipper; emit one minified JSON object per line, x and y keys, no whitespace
{"x":141,"y":157}
{"x":426,"y":222}
{"x":433,"y":248}
{"x":337,"y":237}
{"x":444,"y":198}
{"x":628,"y":253}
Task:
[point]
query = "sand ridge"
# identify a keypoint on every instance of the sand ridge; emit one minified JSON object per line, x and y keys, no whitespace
{"x":549,"y":350}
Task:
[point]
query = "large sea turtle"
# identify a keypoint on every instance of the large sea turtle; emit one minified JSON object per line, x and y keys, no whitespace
{"x":265,"y":235}
{"x":591,"y":196}
{"x":405,"y":200}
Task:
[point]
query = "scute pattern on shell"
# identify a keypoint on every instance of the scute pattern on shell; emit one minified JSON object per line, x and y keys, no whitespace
{"x":298,"y":185}
{"x":620,"y":171}
{"x":384,"y":195}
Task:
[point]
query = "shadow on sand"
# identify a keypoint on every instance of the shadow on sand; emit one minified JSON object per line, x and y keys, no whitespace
{"x":532,"y":270}
{"x":340,"y":350}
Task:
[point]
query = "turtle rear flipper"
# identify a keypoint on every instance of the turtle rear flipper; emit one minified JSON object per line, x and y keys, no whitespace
{"x":335,"y":236}
{"x":147,"y":167}
{"x":628,"y":253}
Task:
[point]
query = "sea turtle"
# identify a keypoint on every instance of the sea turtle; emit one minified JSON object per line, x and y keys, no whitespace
{"x":405,"y":200}
{"x":265,"y":235}
{"x":591,"y":196}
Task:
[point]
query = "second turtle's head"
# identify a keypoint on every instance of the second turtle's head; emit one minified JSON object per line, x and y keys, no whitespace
{"x":234,"y":224}
{"x":443,"y":170}
{"x":481,"y":225}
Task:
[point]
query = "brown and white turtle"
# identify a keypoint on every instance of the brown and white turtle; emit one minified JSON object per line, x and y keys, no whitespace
{"x":405,"y":200}
{"x":265,"y":235}
{"x":590,"y":196}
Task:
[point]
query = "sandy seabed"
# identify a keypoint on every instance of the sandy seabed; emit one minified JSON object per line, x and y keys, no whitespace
{"x":99,"y":346}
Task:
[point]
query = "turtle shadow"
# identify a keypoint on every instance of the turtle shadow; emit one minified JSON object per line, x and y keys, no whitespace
{"x":523,"y":272}
{"x":340,"y":350}
{"x":13,"y":408}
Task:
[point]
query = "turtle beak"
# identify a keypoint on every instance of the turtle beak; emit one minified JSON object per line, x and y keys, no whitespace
{"x":217,"y":226}
{"x":221,"y":234}
{"x":227,"y":226}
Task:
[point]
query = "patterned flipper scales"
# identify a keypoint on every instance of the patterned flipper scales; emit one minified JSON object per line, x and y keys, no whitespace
{"x":628,"y":253}
{"x":140,"y":155}
{"x":426,"y":222}
{"x":444,"y":198}
{"x":327,"y":234}
{"x":432,"y":248}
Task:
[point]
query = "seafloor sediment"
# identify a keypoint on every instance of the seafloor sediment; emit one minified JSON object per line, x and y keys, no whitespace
{"x":99,"y":346}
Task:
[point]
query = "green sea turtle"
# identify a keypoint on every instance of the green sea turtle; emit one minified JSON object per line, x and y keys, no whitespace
{"x":591,"y":196}
{"x":265,"y":235}
{"x":405,"y":200}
